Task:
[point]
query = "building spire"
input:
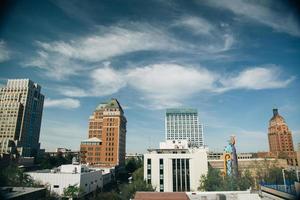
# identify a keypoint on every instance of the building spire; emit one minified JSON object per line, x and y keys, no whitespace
{"x":275,"y":111}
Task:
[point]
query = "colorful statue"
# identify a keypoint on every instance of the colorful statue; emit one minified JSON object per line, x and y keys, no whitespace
{"x":230,"y":158}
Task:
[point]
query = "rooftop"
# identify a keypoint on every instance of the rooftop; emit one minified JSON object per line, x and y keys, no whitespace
{"x":113,"y":103}
{"x":93,"y":139}
{"x":18,"y":192}
{"x":181,"y":111}
{"x":161,"y":196}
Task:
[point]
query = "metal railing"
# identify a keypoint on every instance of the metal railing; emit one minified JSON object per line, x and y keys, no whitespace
{"x":290,"y":189}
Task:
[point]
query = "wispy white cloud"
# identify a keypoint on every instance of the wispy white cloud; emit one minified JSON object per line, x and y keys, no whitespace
{"x":214,"y":38}
{"x":168,"y":84}
{"x":197,"y":25}
{"x":256,"y":78}
{"x":112,"y":42}
{"x":55,"y":65}
{"x":107,"y":81}
{"x":165,"y":84}
{"x":66,"y":103}
{"x":61,"y":59}
{"x":262,"y":12}
{"x":66,"y":58}
{"x":4,"y":52}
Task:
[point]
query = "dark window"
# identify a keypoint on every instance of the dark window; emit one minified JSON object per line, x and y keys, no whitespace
{"x":178,"y":175}
{"x":183,"y":174}
{"x":149,"y":171}
{"x":174,"y":174}
{"x":161,"y":175}
{"x":188,"y":174}
{"x":56,"y":186}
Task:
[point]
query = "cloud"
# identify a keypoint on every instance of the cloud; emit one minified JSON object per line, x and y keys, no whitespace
{"x":4,"y":52}
{"x":113,"y":42}
{"x":261,"y":12}
{"x":257,"y":78}
{"x":66,"y":103}
{"x":196,"y":24}
{"x":72,"y":91}
{"x":61,"y":59}
{"x":107,"y":81}
{"x":55,"y":66}
{"x":168,"y":85}
{"x":213,"y":39}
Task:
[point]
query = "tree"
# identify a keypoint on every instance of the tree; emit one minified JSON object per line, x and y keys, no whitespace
{"x":212,"y":181}
{"x":127,"y":191}
{"x":246,"y":180}
{"x":72,"y":191}
{"x":14,"y":176}
{"x":133,"y":164}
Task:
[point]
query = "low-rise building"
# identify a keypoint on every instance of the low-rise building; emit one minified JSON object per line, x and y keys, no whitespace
{"x":175,"y":167}
{"x":60,"y":178}
{"x":216,"y":195}
{"x":22,"y":193}
{"x":219,"y":155}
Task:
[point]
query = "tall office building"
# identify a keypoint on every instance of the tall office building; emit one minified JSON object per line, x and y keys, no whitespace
{"x":279,"y":135}
{"x":107,"y":136}
{"x":183,"y":124}
{"x":21,"y":108}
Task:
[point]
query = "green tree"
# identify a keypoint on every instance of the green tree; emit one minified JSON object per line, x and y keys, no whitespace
{"x":212,"y":181}
{"x":72,"y":191}
{"x":246,"y":180}
{"x":14,"y":176}
{"x":127,"y":191}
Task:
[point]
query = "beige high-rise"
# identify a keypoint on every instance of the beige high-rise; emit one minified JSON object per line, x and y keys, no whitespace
{"x":280,"y":137}
{"x":21,"y":108}
{"x":107,"y":136}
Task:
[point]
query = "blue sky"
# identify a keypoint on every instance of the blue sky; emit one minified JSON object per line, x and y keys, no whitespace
{"x":232,"y":60}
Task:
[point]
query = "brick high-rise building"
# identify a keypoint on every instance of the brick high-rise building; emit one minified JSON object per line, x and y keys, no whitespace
{"x":21,"y":108}
{"x":107,"y":136}
{"x":280,"y":138}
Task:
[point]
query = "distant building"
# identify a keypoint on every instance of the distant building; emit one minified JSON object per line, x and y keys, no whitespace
{"x":21,"y":108}
{"x":175,"y":167}
{"x":280,"y":138}
{"x":183,"y":124}
{"x":134,"y":156}
{"x":219,"y":156}
{"x":73,"y":174}
{"x":106,"y":143}
{"x":24,"y":193}
{"x":63,"y":152}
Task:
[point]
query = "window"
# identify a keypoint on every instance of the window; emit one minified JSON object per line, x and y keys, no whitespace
{"x":55,"y":186}
{"x":149,"y":171}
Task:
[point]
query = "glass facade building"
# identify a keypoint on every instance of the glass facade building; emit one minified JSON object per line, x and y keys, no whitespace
{"x":183,"y":124}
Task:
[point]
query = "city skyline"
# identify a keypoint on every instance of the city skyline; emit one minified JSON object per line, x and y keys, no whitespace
{"x":234,"y":67}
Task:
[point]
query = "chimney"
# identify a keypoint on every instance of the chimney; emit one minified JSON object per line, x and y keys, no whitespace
{"x":275,"y":111}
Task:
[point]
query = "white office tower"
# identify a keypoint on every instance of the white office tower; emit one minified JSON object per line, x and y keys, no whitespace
{"x":21,"y":108}
{"x":175,"y":167}
{"x":183,"y":124}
